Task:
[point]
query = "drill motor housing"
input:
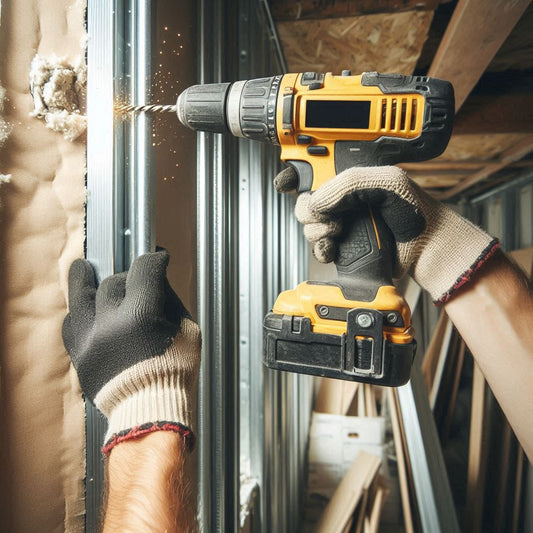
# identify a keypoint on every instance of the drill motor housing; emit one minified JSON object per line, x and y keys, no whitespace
{"x":357,"y":327}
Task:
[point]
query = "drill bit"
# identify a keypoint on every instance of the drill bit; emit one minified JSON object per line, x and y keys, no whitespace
{"x":152,"y":108}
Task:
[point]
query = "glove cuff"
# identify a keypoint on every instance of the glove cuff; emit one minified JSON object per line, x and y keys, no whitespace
{"x":453,"y":251}
{"x":150,"y":396}
{"x":485,"y":255}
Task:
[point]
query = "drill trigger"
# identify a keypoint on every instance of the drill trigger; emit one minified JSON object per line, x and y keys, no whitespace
{"x":305,"y":174}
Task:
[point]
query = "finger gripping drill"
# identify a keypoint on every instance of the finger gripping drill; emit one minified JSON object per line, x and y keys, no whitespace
{"x":357,"y":327}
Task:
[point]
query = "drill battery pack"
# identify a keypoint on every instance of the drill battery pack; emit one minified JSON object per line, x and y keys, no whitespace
{"x":360,"y":343}
{"x":357,"y":355}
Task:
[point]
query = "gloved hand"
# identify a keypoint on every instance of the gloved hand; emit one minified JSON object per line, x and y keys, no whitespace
{"x":435,"y":245}
{"x":135,"y":348}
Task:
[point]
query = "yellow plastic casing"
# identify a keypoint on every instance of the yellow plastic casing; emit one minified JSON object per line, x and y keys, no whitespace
{"x":391,"y":115}
{"x":307,"y":298}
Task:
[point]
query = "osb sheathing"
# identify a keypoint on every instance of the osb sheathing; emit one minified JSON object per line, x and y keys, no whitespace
{"x":42,"y":230}
{"x":386,"y":43}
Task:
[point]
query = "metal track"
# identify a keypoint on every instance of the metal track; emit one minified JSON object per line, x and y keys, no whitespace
{"x":432,"y":488}
{"x":115,"y":234}
{"x":101,"y":221}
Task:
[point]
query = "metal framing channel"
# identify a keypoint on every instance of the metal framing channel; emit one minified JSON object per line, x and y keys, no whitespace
{"x":516,"y":183}
{"x":433,"y":494}
{"x":249,"y":248}
{"x":140,"y":209}
{"x":101,"y":221}
{"x":510,"y":219}
{"x":258,"y":163}
{"x":114,"y":237}
{"x":218,"y":302}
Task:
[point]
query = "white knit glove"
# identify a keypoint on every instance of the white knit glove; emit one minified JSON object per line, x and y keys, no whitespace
{"x":436,"y":246}
{"x":135,"y":348}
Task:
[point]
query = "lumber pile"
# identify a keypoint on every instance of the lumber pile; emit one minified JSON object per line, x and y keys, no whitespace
{"x":359,"y":472}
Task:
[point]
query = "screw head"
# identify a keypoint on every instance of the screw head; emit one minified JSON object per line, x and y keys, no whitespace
{"x":323,"y":310}
{"x":365,"y":320}
{"x":392,"y":318}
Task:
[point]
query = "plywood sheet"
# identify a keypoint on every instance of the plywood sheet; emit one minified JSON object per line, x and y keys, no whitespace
{"x":42,"y":435}
{"x":386,"y":43}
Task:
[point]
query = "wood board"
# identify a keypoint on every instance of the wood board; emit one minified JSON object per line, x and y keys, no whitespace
{"x":350,"y":492}
{"x":386,"y":43}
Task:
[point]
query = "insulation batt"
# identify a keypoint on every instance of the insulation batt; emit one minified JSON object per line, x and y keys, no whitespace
{"x":5,"y":130}
{"x":58,"y":90}
{"x":5,"y":127}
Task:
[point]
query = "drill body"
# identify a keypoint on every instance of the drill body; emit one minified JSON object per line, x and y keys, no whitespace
{"x":356,"y":327}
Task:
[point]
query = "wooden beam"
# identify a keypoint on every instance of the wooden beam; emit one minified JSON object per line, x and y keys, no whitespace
{"x":435,"y":182}
{"x":511,"y":155}
{"x":490,"y":113}
{"x":287,"y":10}
{"x":401,"y":459}
{"x":518,"y":499}
{"x":448,"y":167}
{"x":453,"y":395}
{"x":475,"y":33}
{"x":477,"y":455}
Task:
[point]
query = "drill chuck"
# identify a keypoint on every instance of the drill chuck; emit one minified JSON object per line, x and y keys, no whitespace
{"x":203,"y":107}
{"x":244,"y":108}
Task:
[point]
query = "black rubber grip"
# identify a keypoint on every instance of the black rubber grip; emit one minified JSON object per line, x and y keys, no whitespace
{"x":257,"y":109}
{"x":203,"y":107}
{"x":366,"y":252}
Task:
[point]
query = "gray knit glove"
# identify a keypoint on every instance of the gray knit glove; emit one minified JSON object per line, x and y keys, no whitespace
{"x":135,"y":348}
{"x":435,"y":245}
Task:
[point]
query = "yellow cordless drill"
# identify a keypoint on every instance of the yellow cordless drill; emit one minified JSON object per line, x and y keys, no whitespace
{"x":356,"y":327}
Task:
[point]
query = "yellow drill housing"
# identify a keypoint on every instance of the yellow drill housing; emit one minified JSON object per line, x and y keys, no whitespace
{"x":383,"y":115}
{"x":356,"y":327}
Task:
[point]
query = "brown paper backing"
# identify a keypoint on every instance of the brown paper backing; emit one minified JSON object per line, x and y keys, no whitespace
{"x":42,"y":435}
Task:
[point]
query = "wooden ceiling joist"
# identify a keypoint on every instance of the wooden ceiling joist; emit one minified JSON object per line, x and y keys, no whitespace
{"x":475,"y":33}
{"x":287,"y":10}
{"x":511,"y":155}
{"x":506,"y":113}
{"x":447,"y":166}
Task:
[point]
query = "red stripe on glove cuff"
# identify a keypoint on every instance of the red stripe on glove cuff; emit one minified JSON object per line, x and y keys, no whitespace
{"x":143,"y":430}
{"x":487,"y":253}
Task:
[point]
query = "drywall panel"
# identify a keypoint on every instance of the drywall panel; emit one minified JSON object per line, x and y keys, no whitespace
{"x":42,"y":230}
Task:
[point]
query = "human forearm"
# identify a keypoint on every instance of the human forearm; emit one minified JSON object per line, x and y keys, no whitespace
{"x":147,"y":484}
{"x":494,"y":314}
